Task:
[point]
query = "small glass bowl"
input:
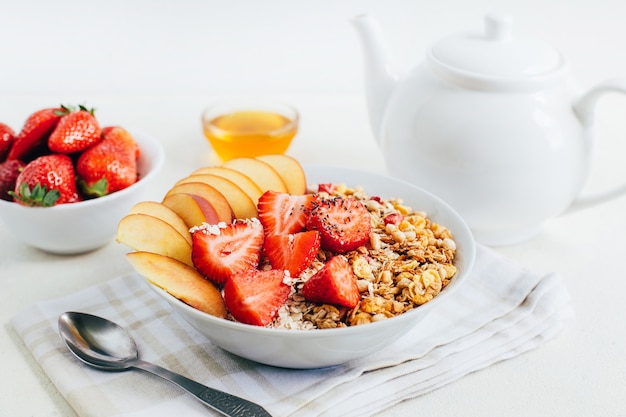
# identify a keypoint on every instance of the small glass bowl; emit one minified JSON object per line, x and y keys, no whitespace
{"x":250,"y":128}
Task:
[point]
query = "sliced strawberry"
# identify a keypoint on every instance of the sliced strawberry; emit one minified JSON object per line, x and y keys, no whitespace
{"x":75,"y":132}
{"x":47,"y":181}
{"x":220,"y":251}
{"x":335,"y":284}
{"x":344,"y":223}
{"x":7,"y":136}
{"x":282,"y":213}
{"x":9,"y":171}
{"x":293,"y":252}
{"x":35,"y":132}
{"x":254,"y":296}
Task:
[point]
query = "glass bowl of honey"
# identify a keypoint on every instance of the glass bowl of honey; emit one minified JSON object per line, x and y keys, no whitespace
{"x":250,"y":128}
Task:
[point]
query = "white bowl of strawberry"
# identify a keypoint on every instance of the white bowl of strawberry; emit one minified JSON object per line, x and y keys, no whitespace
{"x":65,"y":181}
{"x":314,"y":279}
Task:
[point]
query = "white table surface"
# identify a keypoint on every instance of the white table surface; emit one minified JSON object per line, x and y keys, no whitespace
{"x":581,"y":373}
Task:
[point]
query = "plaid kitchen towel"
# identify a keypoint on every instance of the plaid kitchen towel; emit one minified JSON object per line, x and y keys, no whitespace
{"x":501,"y":311}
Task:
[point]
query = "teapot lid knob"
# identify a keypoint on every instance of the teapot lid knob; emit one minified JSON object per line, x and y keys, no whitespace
{"x":498,"y":27}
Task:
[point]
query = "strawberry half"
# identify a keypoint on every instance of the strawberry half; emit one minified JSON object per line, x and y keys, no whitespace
{"x":254,"y":296}
{"x":282,"y":213}
{"x":293,"y":252}
{"x":35,"y":132}
{"x":334,"y":284}
{"x":75,"y":132}
{"x":9,"y":171}
{"x":344,"y":223}
{"x":7,"y":136}
{"x":110,"y":165}
{"x":218,"y":252}
{"x":46,"y":181}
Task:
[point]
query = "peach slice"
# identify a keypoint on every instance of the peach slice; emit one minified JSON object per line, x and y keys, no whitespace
{"x":194,"y":210}
{"x":210,"y":194}
{"x":179,"y":280}
{"x":289,"y":170}
{"x":164,"y":213}
{"x":242,"y":181}
{"x":260,"y":172}
{"x":241,"y":203}
{"x":146,"y":233}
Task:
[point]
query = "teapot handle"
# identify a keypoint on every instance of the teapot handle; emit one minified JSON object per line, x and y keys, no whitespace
{"x":585,"y":108}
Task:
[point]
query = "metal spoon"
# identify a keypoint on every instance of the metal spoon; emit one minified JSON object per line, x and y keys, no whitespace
{"x":105,"y":345}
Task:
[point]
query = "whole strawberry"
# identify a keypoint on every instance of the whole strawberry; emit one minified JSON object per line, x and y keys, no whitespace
{"x":46,"y":181}
{"x":34,"y":134}
{"x":76,"y":131}
{"x":7,"y":136}
{"x":9,"y":171}
{"x":110,"y":165}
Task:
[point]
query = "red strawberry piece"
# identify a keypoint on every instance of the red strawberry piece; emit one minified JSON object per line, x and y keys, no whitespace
{"x":393,"y":218}
{"x":35,"y":133}
{"x":344,"y":223}
{"x":110,"y":165}
{"x":282,"y":213}
{"x":254,"y":296}
{"x":293,"y":252}
{"x":326,"y":188}
{"x":124,"y":134}
{"x":9,"y":171}
{"x":46,"y":181}
{"x":7,"y":136}
{"x":75,"y":132}
{"x":334,"y":284}
{"x":218,"y":252}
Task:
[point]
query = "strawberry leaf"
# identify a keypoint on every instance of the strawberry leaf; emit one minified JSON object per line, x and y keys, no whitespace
{"x":84,"y":108}
{"x":64,"y":110}
{"x":38,"y":196}
{"x":50,"y":198}
{"x":97,"y":189}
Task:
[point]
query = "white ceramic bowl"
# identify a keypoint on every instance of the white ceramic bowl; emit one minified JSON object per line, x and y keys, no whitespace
{"x":327,"y":347}
{"x":86,"y":225}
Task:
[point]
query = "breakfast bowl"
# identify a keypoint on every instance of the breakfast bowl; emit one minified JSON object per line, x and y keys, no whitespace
{"x":316,"y":348}
{"x":86,"y":225}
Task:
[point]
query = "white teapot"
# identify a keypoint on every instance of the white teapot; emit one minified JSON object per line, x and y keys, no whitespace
{"x":492,"y":124}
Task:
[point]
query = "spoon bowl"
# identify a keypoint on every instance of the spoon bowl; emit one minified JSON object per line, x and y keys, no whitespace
{"x":105,"y":345}
{"x":98,"y":342}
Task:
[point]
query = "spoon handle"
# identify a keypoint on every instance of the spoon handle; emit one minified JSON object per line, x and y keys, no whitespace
{"x":227,"y":404}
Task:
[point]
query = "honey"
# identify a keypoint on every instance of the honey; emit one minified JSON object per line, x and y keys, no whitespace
{"x":249,"y":133}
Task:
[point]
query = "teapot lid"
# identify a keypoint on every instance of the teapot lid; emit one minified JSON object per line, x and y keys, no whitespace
{"x":496,"y":59}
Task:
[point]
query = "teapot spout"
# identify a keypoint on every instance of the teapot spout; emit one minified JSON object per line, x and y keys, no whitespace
{"x":380,"y":72}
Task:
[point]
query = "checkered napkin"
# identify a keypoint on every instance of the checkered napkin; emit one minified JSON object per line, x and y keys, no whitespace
{"x":501,"y":311}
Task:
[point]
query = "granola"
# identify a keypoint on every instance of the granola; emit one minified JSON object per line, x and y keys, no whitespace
{"x":408,"y":261}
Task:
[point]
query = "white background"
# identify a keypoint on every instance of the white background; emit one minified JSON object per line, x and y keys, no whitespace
{"x":127,"y":57}
{"x":212,"y":46}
